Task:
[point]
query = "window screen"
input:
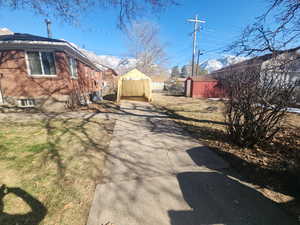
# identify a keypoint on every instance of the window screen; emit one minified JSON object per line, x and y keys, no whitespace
{"x":48,"y":63}
{"x":73,"y":67}
{"x":41,"y":63}
{"x":34,"y":63}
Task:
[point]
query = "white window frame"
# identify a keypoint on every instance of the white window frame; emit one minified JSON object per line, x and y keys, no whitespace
{"x":71,"y":68}
{"x":30,"y":102}
{"x":43,"y":75}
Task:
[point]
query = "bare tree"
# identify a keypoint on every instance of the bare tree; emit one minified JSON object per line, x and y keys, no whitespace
{"x":259,"y":38}
{"x":145,"y":46}
{"x":70,"y":10}
{"x":258,"y":101}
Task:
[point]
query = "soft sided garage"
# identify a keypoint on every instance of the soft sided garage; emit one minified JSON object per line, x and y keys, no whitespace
{"x":134,"y":84}
{"x":203,"y":86}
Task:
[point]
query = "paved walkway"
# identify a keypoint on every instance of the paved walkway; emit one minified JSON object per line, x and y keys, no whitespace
{"x":155,"y":174}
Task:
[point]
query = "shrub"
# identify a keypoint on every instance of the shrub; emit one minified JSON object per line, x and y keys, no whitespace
{"x":258,"y":101}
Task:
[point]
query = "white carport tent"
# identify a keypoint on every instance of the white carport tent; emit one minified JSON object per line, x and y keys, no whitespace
{"x":134,"y":84}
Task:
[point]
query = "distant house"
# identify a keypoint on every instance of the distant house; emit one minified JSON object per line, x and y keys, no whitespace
{"x":110,"y":81}
{"x":158,"y":82}
{"x":203,"y":86}
{"x":43,"y":72}
{"x":175,"y":86}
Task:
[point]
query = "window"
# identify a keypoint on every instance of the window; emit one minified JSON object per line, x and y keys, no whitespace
{"x":26,"y":102}
{"x":73,"y":67}
{"x":41,"y":63}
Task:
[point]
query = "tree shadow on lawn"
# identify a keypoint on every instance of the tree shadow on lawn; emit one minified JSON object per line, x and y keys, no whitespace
{"x":175,"y":115}
{"x":34,"y":217}
{"x":84,"y":133}
{"x":64,"y":169}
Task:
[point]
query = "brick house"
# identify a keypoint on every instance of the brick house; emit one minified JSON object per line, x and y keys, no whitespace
{"x":44,"y":72}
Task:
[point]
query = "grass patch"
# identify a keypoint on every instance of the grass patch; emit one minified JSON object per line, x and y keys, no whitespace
{"x":50,"y":168}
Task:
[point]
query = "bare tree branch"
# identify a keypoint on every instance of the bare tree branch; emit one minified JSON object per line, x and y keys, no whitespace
{"x":145,"y":46}
{"x":260,"y":37}
{"x":70,"y":10}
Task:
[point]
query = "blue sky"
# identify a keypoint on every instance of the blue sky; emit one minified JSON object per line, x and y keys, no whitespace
{"x":98,"y":32}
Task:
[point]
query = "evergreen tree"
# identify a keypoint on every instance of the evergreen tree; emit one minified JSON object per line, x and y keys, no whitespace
{"x":184,"y":71}
{"x":201,"y":71}
{"x":175,"y":72}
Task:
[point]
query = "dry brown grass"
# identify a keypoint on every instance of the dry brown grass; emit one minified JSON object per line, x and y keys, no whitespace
{"x":56,"y":161}
{"x":273,"y":168}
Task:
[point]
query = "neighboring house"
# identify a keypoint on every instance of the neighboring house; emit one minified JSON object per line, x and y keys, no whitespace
{"x":41,"y":72}
{"x":203,"y":86}
{"x":287,"y":61}
{"x":283,"y":64}
{"x":158,"y":82}
{"x":110,"y":82}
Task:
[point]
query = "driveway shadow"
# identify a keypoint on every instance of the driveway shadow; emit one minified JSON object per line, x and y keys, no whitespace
{"x":217,"y":198}
{"x":34,"y":217}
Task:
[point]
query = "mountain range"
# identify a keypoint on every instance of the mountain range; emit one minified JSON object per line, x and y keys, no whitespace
{"x":216,"y":64}
{"x":122,"y":65}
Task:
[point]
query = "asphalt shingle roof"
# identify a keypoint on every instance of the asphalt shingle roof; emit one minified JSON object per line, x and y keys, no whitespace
{"x":27,"y":37}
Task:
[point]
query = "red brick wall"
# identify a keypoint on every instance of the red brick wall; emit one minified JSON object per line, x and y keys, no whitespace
{"x":16,"y":82}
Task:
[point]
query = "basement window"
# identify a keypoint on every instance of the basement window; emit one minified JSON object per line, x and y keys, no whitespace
{"x":41,"y":63}
{"x":27,"y":102}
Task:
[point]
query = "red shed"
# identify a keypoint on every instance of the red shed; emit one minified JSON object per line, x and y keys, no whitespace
{"x":203,"y":86}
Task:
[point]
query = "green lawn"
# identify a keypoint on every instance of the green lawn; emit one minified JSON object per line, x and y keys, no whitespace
{"x":50,"y":167}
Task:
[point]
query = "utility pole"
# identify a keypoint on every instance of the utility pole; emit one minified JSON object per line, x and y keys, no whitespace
{"x":195,"y":21}
{"x":199,"y":53}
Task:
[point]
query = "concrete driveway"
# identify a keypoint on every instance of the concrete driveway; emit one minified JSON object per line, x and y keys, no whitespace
{"x":156,"y":174}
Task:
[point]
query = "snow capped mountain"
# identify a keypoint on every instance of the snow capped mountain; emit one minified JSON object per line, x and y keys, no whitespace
{"x":5,"y":31}
{"x":121,"y":65}
{"x":216,"y":64}
{"x":212,"y":65}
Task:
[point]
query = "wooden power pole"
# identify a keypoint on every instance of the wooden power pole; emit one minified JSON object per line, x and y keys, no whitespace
{"x":195,"y":21}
